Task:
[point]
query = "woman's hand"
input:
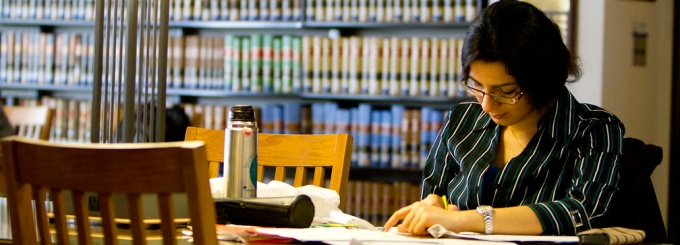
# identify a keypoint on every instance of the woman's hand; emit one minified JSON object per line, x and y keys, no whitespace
{"x":419,"y":216}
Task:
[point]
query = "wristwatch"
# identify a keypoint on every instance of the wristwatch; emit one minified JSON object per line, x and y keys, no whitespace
{"x":487,"y":212}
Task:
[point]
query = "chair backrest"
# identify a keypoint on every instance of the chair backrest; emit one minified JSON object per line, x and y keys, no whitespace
{"x":34,"y":167}
{"x":290,"y":151}
{"x":30,"y":121}
{"x":635,"y":205}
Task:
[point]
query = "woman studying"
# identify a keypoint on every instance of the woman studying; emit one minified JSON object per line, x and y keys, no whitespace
{"x":526,"y":157}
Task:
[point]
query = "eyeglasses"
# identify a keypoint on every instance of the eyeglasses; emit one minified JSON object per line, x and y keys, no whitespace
{"x":506,"y":98}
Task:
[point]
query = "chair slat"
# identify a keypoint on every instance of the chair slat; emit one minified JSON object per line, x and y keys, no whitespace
{"x":59,"y":207}
{"x":108,"y":222}
{"x":300,"y":176}
{"x":82,"y":221}
{"x":40,"y":197}
{"x":280,"y":174}
{"x":167,"y":217}
{"x":136,"y":218}
{"x":319,"y":176}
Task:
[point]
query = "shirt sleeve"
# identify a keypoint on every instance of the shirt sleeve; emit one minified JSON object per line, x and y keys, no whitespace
{"x":594,"y":181}
{"x":440,"y":167}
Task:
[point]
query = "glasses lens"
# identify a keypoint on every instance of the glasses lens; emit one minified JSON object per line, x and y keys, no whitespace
{"x":469,"y":88}
{"x":504,"y":100}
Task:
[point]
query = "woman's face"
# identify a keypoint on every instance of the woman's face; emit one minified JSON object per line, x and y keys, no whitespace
{"x":492,"y":78}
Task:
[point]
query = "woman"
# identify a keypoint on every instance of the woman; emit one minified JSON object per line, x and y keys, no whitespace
{"x":525,"y":157}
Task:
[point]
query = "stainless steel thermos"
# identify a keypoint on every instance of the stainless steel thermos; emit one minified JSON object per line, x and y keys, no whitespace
{"x":240,"y":153}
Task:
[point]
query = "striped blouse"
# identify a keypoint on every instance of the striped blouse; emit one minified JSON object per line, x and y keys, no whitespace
{"x":567,"y":173}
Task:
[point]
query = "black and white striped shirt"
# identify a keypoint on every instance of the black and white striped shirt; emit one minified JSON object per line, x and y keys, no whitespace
{"x":567,"y":174}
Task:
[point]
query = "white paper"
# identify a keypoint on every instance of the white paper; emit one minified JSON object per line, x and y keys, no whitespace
{"x":440,"y":231}
{"x":342,"y":236}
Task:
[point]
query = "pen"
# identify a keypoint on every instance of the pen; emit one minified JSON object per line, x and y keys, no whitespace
{"x":446,"y":203}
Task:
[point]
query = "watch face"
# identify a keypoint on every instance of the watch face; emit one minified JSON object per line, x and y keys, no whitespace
{"x":484,"y":209}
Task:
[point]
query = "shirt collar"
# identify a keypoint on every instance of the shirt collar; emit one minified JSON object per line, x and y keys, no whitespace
{"x":560,"y":120}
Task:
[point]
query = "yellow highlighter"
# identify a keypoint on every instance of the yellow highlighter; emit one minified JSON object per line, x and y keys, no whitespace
{"x":446,"y":203}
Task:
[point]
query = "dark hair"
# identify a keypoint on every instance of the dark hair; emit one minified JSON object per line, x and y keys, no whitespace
{"x":528,"y":43}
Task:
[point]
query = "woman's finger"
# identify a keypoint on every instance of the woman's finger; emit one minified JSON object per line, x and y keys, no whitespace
{"x":396,"y":216}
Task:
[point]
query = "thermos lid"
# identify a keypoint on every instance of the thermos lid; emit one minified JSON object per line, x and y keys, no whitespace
{"x":242,"y":113}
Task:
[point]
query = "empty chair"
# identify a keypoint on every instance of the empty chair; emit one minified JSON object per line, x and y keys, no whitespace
{"x":297,"y":152}
{"x":30,"y":121}
{"x":34,"y":167}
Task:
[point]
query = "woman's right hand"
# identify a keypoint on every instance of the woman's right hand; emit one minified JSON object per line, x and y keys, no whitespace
{"x":407,"y":213}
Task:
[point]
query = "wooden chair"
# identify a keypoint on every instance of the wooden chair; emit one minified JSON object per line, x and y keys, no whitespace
{"x":290,"y":151}
{"x":30,"y":121}
{"x":33,"y":167}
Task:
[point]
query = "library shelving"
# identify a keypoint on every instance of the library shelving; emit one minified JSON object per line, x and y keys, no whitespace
{"x":387,"y":70}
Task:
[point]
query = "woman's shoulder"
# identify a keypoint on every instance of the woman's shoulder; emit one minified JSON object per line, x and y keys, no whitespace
{"x":590,"y":112}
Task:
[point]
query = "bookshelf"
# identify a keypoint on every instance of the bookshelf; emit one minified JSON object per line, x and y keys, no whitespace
{"x":385,"y":83}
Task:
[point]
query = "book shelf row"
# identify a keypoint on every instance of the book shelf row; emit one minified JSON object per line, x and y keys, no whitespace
{"x":376,"y":201}
{"x":266,"y":63}
{"x":389,"y":137}
{"x":422,"y":11}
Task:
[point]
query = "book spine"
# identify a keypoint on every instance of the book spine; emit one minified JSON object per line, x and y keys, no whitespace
{"x":373,"y":65}
{"x":291,"y":118}
{"x":363,"y":135}
{"x":318,"y":118}
{"x":297,"y":74}
{"x":267,"y":55}
{"x":406,"y":136}
{"x":275,"y":10}
{"x":179,"y":62}
{"x":49,"y":58}
{"x":245,"y":64}
{"x":444,"y":60}
{"x":256,"y":63}
{"x":338,"y":10}
{"x":316,"y":64}
{"x":345,"y":65}
{"x":310,"y":10}
{"x":425,"y":116}
{"x":336,"y":61}
{"x":228,"y":61}
{"x":416,"y":125}
{"x":459,"y":10}
{"x":191,"y":57}
{"x":383,"y":74}
{"x":237,"y":62}
{"x":307,"y":71}
{"x":277,"y":65}
{"x":365,"y":65}
{"x":218,"y":62}
{"x":4,"y":53}
{"x":234,"y":13}
{"x":374,"y":135}
{"x":385,"y":138}
{"x":434,"y":67}
{"x":424,"y":73}
{"x":396,"y":139}
{"x":325,"y":70}
{"x":414,"y":87}
{"x":203,"y":58}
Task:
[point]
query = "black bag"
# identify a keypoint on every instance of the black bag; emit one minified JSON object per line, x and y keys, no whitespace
{"x":290,"y":212}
